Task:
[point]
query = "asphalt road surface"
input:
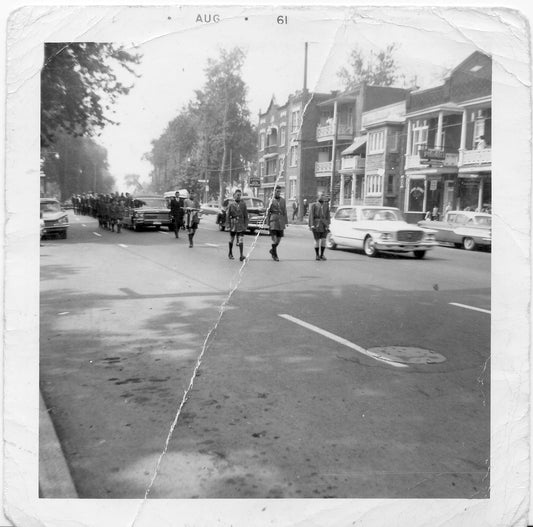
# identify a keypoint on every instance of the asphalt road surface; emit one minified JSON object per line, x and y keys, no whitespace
{"x":354,"y":377}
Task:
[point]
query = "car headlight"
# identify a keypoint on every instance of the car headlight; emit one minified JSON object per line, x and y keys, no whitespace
{"x":386,"y":236}
{"x":430,"y":237}
{"x":64,"y":219}
{"x":139,"y":215}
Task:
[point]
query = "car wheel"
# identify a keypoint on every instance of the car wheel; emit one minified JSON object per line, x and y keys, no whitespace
{"x":369,"y":247}
{"x":469,"y":244}
{"x":419,"y":254}
{"x":330,"y":243}
{"x":136,"y":227}
{"x":252,"y":231}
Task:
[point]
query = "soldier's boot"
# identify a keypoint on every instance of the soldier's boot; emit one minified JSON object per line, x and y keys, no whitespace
{"x":322,"y":249}
{"x":230,"y":253}
{"x":241,"y":250}
{"x":317,"y":255}
{"x":119,"y":227}
{"x":190,"y":241}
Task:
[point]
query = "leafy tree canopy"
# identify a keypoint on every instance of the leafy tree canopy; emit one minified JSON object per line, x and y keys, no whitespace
{"x":79,"y":83}
{"x":377,"y":69}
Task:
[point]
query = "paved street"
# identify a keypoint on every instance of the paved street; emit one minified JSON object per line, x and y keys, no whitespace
{"x":281,"y":406}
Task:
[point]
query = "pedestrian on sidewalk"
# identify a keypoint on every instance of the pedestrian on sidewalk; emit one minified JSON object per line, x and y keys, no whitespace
{"x":237,"y":223}
{"x":295,"y":208}
{"x":319,"y":219}
{"x":192,"y":207}
{"x":277,"y":221}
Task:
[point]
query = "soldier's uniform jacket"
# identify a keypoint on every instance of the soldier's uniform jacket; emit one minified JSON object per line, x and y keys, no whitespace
{"x":191,"y":211}
{"x":319,"y":216}
{"x":237,"y":217}
{"x":277,"y":215}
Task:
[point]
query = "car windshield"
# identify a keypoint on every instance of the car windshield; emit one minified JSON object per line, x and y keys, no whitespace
{"x":50,"y":206}
{"x":483,"y":220}
{"x":253,"y":203}
{"x":156,"y":203}
{"x":381,"y":214}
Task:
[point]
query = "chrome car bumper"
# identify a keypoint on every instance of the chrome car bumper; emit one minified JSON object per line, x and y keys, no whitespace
{"x":404,"y":247}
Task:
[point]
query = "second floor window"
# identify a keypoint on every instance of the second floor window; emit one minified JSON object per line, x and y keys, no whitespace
{"x":376,"y":142}
{"x":294,"y":156}
{"x":295,"y":120}
{"x":283,"y":136}
{"x":261,"y":141}
{"x":419,"y":136}
{"x":394,"y":142}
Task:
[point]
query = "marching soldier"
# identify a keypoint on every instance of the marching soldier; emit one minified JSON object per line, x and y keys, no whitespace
{"x":319,"y":219}
{"x":237,"y":223}
{"x":277,"y":221}
{"x":192,"y":207}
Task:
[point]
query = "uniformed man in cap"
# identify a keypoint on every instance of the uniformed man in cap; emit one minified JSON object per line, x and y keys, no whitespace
{"x":319,"y":219}
{"x":277,"y":221}
{"x":237,"y":223}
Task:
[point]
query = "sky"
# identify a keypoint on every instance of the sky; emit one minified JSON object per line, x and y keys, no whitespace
{"x":175,"y":50}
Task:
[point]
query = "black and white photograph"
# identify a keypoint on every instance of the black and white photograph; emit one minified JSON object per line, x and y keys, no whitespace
{"x":275,"y":280}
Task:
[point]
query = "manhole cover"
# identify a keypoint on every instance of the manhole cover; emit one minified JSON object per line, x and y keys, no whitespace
{"x":409,"y":355}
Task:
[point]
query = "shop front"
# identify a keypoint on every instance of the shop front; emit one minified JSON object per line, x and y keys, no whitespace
{"x":474,"y":191}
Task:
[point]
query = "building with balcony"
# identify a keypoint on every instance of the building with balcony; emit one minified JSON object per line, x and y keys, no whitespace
{"x":447,"y":155}
{"x":338,"y":132}
{"x":384,"y":129}
{"x":288,"y":147}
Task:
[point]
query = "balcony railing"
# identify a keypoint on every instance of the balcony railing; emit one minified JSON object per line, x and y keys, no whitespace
{"x":325,"y":167}
{"x":327,"y":131}
{"x":475,"y":157}
{"x":353,"y":163}
{"x":414,"y":161}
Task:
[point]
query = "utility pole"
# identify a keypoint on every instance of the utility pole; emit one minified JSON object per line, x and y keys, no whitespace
{"x":300,"y":193}
{"x":334,"y":151}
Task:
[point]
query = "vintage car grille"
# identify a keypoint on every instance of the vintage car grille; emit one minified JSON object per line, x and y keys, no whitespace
{"x":155,"y":216}
{"x":410,"y":236}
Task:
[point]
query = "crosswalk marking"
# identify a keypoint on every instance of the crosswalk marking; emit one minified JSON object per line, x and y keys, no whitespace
{"x":97,"y":234}
{"x":470,"y":307}
{"x":122,"y":245}
{"x":344,"y":342}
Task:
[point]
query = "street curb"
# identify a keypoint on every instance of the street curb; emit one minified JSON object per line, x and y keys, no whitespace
{"x":55,"y":480}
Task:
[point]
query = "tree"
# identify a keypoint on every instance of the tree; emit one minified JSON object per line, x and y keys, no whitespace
{"x":224,"y":116}
{"x":77,"y":165}
{"x":79,"y":83}
{"x":211,"y":135}
{"x":132,"y":182}
{"x":379,"y":69}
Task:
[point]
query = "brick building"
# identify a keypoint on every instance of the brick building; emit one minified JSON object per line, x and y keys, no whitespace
{"x":448,"y":152}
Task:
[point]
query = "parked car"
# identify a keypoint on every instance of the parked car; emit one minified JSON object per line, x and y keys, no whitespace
{"x":55,"y":218}
{"x":375,"y":229}
{"x":256,"y":213}
{"x":147,"y":211}
{"x":212,"y":207}
{"x":466,"y":229}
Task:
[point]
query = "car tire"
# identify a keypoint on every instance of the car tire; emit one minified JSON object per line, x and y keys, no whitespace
{"x":419,"y":254}
{"x":136,"y":227}
{"x":330,"y":243}
{"x":252,"y":231}
{"x":369,"y":247}
{"x":469,"y":244}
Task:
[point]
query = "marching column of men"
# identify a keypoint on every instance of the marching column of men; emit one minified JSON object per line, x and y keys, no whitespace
{"x":184,"y":208}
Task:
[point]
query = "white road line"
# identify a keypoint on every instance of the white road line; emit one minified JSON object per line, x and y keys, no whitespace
{"x":470,"y":307}
{"x":163,"y":232}
{"x":211,"y":244}
{"x":344,"y":342}
{"x":83,"y":225}
{"x":122,"y":245}
{"x":97,"y":234}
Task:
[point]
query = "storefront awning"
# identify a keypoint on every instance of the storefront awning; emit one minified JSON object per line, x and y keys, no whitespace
{"x":358,"y":142}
